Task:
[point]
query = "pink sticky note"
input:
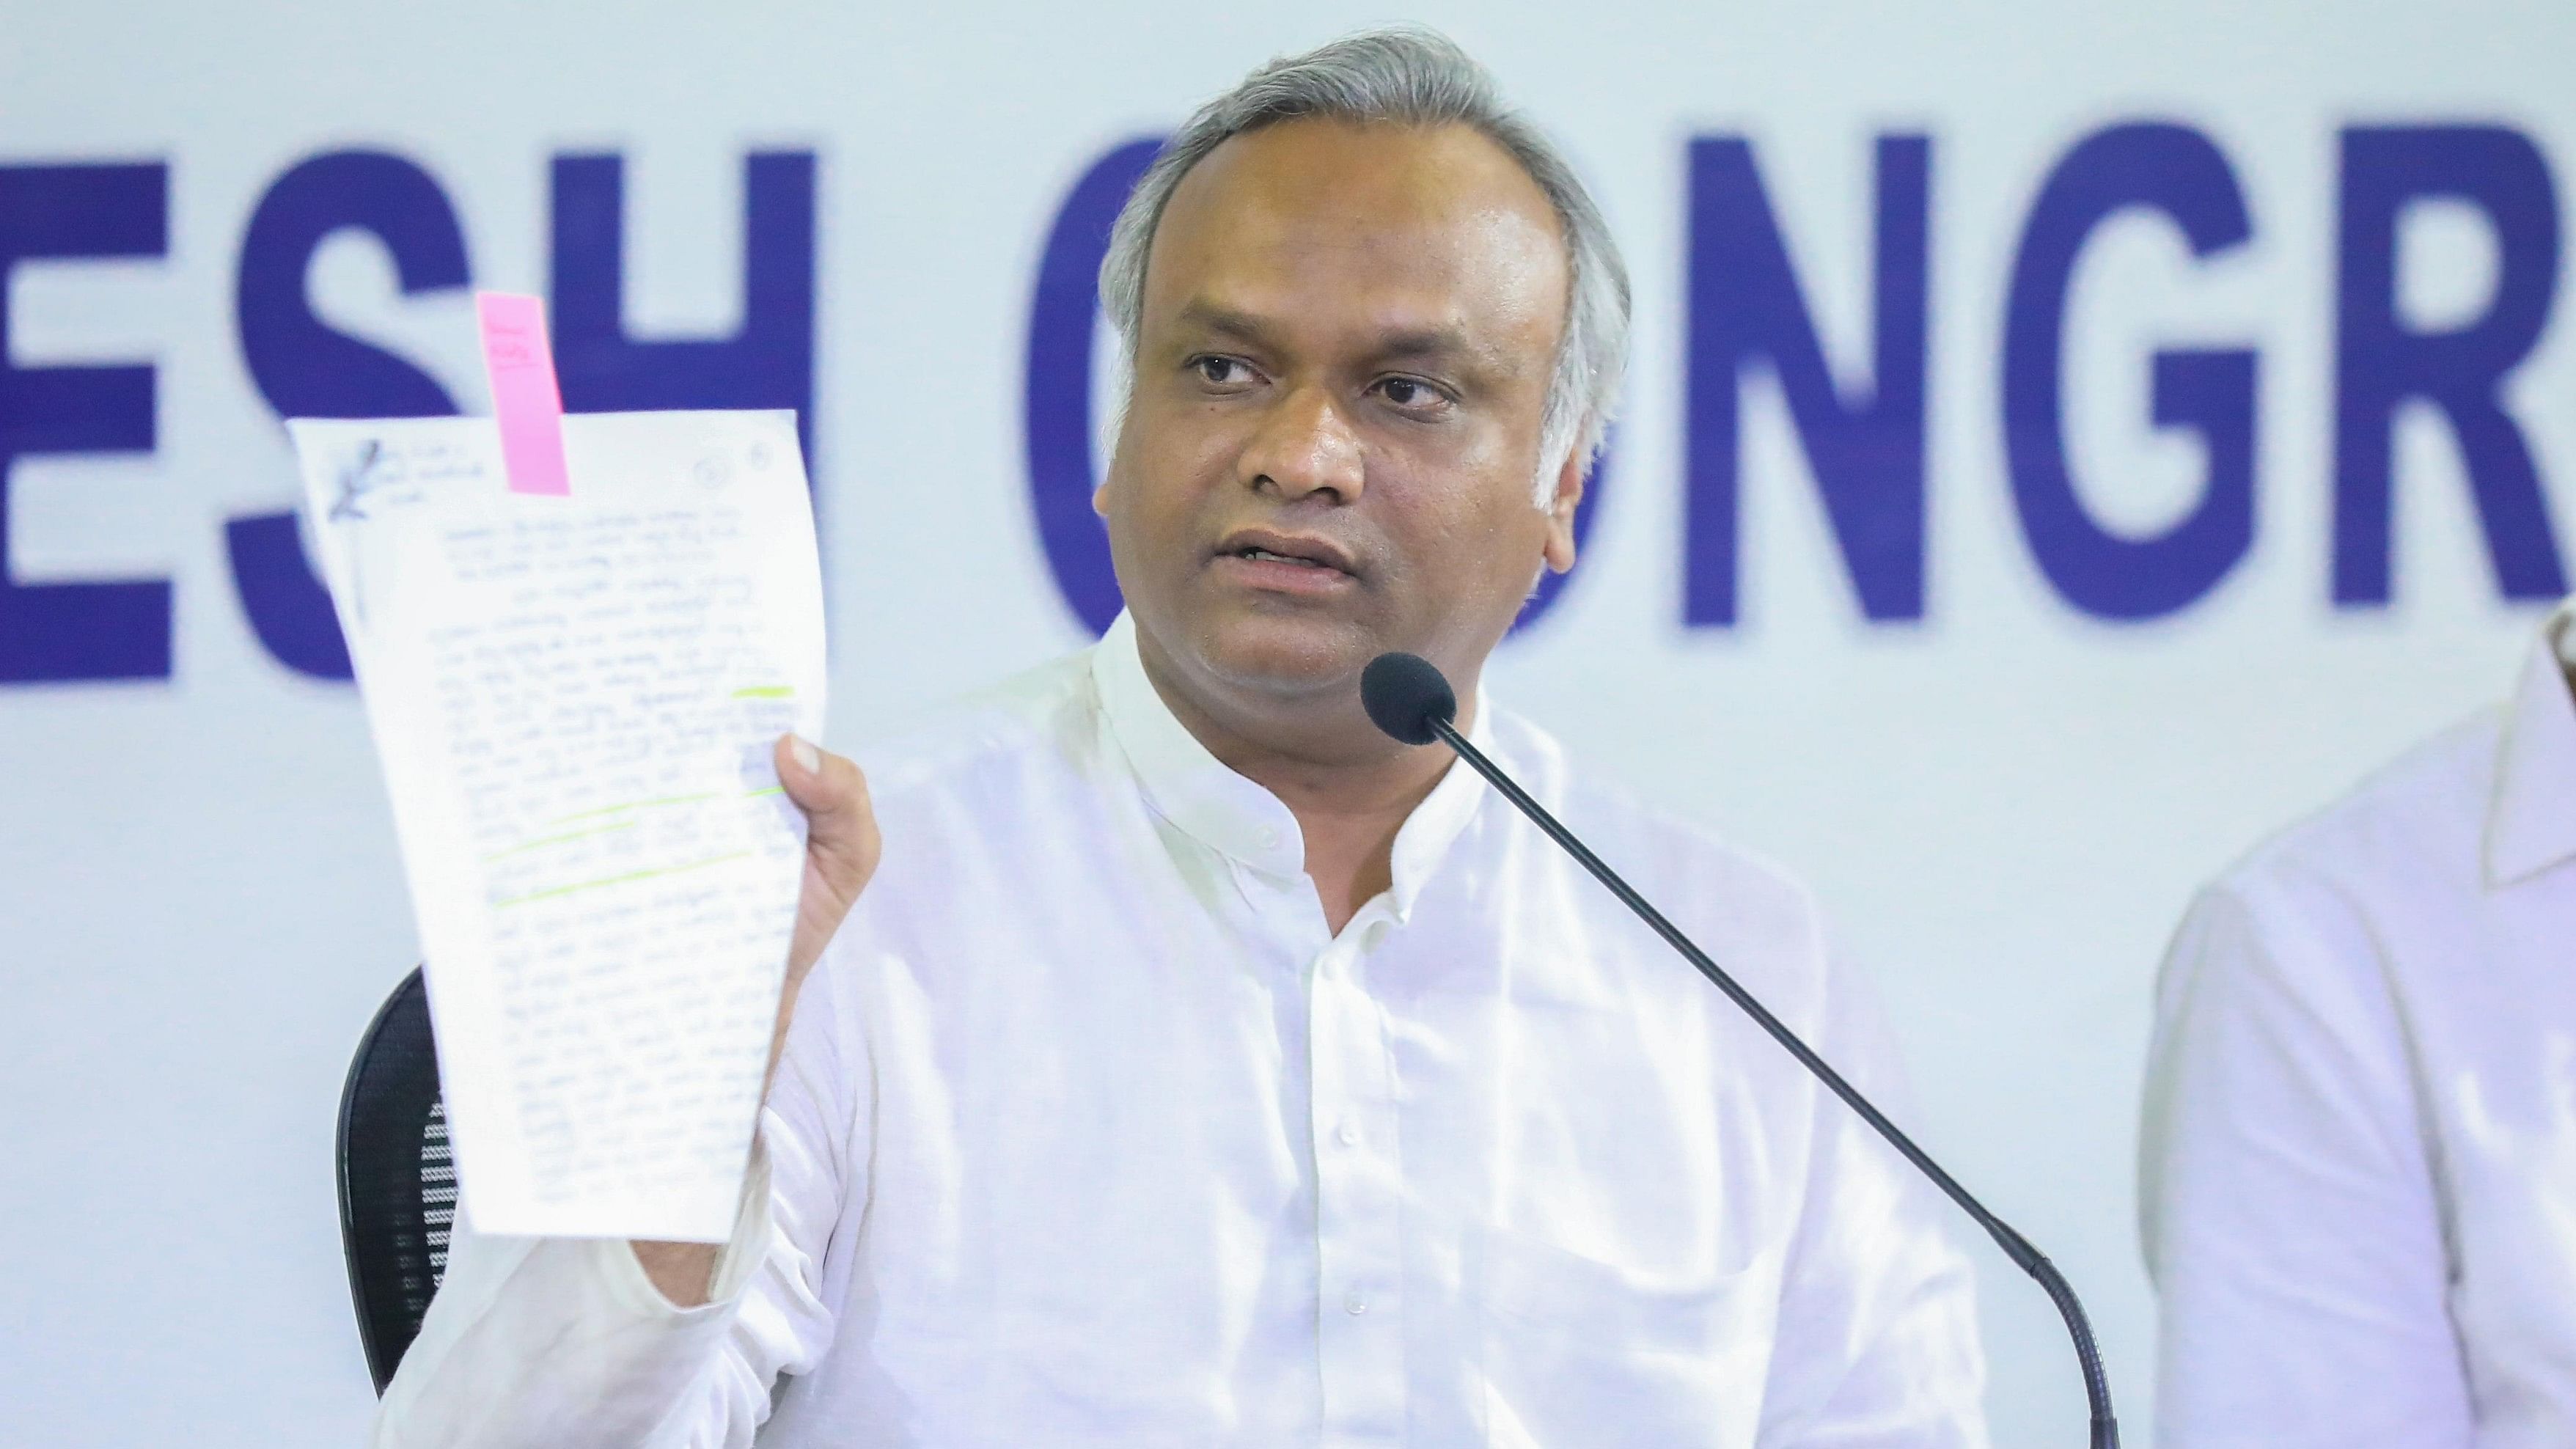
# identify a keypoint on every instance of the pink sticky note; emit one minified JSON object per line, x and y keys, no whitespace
{"x":525,"y":400}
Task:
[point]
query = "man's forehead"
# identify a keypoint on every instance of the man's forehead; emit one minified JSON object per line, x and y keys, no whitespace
{"x":1439,"y":225}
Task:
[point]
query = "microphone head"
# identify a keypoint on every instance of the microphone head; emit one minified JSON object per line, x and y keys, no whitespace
{"x":1404,"y":694}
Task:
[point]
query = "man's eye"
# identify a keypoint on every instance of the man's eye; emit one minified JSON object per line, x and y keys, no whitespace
{"x":1411,"y":394}
{"x":1221,"y":371}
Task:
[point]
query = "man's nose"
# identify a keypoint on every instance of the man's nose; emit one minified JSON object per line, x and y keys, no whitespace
{"x":1305,"y":446}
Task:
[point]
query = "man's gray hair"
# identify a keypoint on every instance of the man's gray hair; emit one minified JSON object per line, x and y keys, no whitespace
{"x":1410,"y":76}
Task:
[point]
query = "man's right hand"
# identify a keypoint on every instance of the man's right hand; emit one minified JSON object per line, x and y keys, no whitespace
{"x":841,"y":849}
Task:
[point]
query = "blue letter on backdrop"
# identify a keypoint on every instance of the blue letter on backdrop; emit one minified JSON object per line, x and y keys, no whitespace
{"x":1057,"y":404}
{"x":90,"y":629}
{"x":2179,"y":172}
{"x":768,"y":364}
{"x":2380,"y":363}
{"x":307,"y":370}
{"x":1866,"y":448}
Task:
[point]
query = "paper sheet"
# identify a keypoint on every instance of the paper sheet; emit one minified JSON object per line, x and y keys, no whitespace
{"x":575,"y":699}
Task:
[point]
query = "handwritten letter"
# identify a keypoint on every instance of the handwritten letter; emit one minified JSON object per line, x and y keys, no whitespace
{"x":575,"y":697}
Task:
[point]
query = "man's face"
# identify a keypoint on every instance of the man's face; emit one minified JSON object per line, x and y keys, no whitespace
{"x":1333,"y":431}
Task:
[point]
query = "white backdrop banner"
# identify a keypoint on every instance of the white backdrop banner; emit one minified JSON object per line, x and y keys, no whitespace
{"x":2065,"y":442}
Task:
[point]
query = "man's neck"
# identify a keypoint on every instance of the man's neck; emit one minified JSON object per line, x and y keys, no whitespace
{"x":1350,"y":802}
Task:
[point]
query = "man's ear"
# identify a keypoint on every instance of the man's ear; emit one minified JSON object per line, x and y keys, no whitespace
{"x":1117,"y":457}
{"x":1559,"y":552}
{"x":1108,"y":484}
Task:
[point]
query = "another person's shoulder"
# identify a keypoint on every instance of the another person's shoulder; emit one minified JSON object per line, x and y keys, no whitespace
{"x":2410,"y":833}
{"x":2354,"y":911}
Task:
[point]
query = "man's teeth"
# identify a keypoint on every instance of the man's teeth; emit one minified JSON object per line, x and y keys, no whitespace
{"x":1279,"y":557}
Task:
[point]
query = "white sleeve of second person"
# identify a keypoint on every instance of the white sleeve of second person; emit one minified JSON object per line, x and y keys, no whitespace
{"x":2291,"y":1218}
{"x":564,"y":1343}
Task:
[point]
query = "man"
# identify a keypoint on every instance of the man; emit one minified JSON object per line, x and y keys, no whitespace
{"x":1202,"y":1067}
{"x":2360,"y":1150}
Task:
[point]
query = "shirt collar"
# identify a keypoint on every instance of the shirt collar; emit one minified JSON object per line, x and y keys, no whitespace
{"x":2531,"y":823}
{"x":1238,"y":818}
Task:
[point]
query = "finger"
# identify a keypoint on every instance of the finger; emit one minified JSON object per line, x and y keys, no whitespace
{"x":841,"y":831}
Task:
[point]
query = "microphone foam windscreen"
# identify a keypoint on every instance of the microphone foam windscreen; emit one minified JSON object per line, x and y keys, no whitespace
{"x":1404,"y":694}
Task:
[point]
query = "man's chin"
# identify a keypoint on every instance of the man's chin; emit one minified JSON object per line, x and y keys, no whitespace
{"x":1285,"y":653}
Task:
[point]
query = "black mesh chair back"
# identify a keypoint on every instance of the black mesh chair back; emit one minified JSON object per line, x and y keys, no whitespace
{"x":397,"y":1180}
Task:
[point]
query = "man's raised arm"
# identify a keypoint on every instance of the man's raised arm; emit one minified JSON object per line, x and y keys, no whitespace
{"x":571,"y":1342}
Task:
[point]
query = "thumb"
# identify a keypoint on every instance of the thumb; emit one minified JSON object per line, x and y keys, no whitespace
{"x":841,"y":844}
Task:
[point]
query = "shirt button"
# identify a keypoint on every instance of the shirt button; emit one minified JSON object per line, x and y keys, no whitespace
{"x":1348,"y":1135}
{"x":1269,"y":838}
{"x":1355,"y":1304}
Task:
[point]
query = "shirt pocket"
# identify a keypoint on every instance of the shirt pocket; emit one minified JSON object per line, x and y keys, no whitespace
{"x":1582,"y":1353}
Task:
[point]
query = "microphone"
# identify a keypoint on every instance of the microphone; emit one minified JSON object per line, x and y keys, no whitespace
{"x":1406,"y":697}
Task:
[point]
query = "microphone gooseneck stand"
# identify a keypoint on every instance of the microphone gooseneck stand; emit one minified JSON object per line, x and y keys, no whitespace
{"x":1407,"y":697}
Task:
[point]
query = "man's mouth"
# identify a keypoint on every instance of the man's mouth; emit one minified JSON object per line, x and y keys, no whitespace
{"x":1288,"y":563}
{"x":1297,"y":550}
{"x":1265,"y":554}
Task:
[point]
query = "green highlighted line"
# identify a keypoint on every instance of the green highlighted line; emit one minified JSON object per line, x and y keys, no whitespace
{"x":560,"y":839}
{"x":631,"y":875}
{"x":765,"y":691}
{"x":630,"y":805}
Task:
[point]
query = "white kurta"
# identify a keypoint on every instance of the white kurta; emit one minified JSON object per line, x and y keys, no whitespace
{"x":1089,"y":1132}
{"x":2359,"y":1164}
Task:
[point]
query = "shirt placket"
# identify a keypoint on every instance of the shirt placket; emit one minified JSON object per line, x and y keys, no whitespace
{"x":1360,"y":1310}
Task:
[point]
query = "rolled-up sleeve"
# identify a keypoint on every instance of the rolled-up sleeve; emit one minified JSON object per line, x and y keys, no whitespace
{"x":564,"y":1343}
